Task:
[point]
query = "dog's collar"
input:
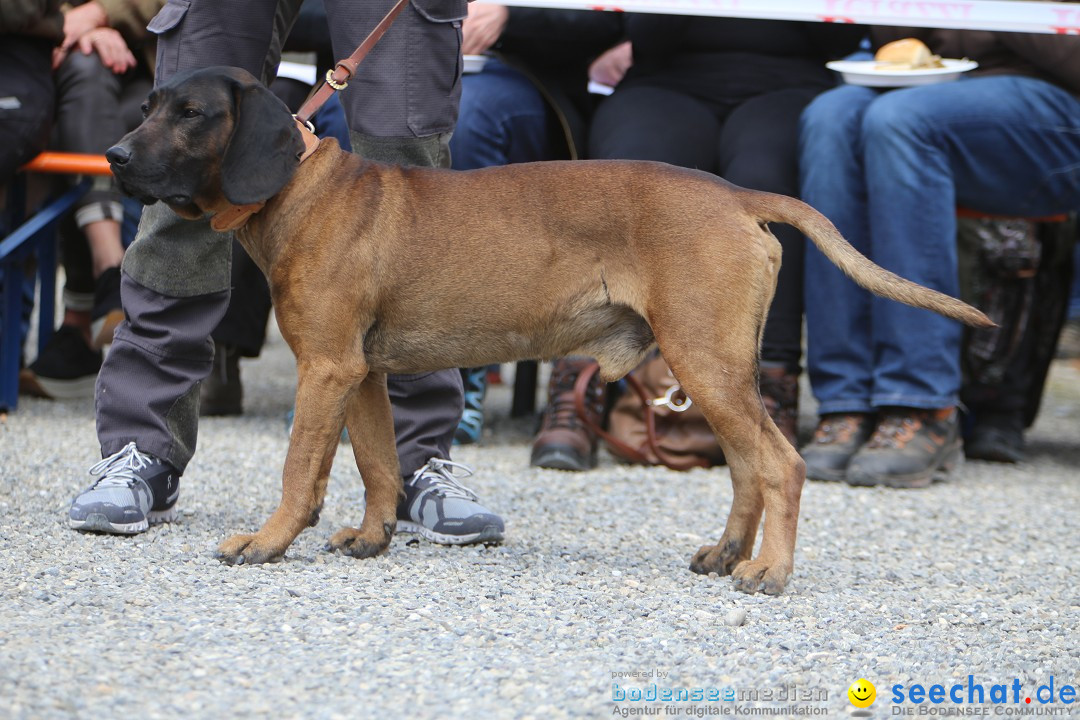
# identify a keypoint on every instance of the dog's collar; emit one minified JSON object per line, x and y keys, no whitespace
{"x":235,"y":217}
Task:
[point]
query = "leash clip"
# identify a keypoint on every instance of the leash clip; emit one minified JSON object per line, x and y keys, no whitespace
{"x":306,"y":123}
{"x":678,"y":404}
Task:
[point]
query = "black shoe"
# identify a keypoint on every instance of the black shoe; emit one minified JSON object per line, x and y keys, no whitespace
{"x":910,"y":448}
{"x":837,"y":438}
{"x":66,"y":369}
{"x":997,"y":437}
{"x":107,"y":312}
{"x":221,"y":392}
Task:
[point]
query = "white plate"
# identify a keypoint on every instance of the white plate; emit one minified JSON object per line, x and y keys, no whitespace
{"x":871,"y":74}
{"x":474,"y":63}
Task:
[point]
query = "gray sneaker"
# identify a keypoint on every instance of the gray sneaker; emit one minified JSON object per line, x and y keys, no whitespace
{"x":122,"y":500}
{"x":441,"y":509}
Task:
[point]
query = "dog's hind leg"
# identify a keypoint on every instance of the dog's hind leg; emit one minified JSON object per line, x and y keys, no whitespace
{"x":371,"y":431}
{"x":717,"y":367}
{"x":316,"y":428}
{"x":766,"y":474}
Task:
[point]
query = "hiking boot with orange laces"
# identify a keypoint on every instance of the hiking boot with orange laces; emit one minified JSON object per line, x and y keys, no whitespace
{"x":910,"y":448}
{"x":564,"y":441}
{"x":836,"y":440}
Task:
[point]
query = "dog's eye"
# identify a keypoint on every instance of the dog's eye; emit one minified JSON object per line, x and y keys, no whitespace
{"x":191,"y":112}
{"x":145,"y":107}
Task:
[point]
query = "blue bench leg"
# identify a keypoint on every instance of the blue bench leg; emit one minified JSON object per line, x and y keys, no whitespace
{"x":36,"y":233}
{"x":46,"y":255}
{"x":10,"y":334}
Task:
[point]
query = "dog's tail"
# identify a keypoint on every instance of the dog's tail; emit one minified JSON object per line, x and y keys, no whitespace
{"x":770,"y":207}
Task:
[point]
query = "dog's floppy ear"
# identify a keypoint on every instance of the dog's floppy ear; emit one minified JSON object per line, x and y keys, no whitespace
{"x":264,"y":149}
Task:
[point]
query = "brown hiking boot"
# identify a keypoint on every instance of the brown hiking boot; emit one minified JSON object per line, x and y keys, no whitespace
{"x":910,"y":448}
{"x":836,"y":440}
{"x":564,"y":441}
{"x":780,"y":393}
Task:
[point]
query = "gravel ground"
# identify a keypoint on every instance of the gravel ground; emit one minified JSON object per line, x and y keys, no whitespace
{"x":976,"y":577}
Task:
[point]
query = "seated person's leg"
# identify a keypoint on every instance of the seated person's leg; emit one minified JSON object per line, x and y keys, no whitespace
{"x":329,"y":121}
{"x":758,"y":149}
{"x":24,"y":127}
{"x":839,"y":355}
{"x":68,"y":365}
{"x":651,"y":123}
{"x":564,"y":442}
{"x":503,"y":119}
{"x":88,"y":120}
{"x":924,"y":155}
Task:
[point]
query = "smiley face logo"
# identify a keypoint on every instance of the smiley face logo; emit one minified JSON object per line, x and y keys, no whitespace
{"x":862,"y":693}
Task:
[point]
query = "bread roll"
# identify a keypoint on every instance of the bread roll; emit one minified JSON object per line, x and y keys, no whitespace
{"x":906,"y":54}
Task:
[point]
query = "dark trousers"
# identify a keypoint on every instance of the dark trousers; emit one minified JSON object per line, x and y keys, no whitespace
{"x":754,"y":144}
{"x":24,"y":122}
{"x":95,"y":107}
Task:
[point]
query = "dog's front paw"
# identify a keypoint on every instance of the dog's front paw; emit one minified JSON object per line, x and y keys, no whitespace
{"x":241,"y":549}
{"x":359,"y":544}
{"x":758,"y":574}
{"x":720,"y":558}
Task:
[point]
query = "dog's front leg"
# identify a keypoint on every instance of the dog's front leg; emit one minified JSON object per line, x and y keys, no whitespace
{"x":319,"y":418}
{"x":371,"y":431}
{"x":736,"y":545}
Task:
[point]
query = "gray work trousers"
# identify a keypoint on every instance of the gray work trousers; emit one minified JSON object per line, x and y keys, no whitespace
{"x":401,"y":106}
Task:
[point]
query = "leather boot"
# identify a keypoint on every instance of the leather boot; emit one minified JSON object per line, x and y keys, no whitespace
{"x":564,"y":441}
{"x":221,"y":392}
{"x":836,"y":440}
{"x":910,"y":448}
{"x":780,"y":393}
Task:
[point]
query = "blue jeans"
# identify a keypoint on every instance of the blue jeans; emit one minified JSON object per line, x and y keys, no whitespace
{"x":329,"y":121}
{"x":503,"y":119}
{"x":889,"y":169}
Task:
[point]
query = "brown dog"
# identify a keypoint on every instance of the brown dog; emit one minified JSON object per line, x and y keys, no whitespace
{"x":602,"y":258}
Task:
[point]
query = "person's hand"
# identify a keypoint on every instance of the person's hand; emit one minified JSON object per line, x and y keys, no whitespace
{"x":482,"y":27}
{"x":110,"y":47}
{"x":80,"y":20}
{"x":610,"y":68}
{"x":59,"y":55}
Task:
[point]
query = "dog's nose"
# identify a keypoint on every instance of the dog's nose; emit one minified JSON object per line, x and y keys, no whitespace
{"x":118,"y":155}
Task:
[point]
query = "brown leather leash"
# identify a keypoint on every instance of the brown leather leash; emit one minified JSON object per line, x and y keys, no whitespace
{"x":236,"y":216}
{"x":338,"y":78}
